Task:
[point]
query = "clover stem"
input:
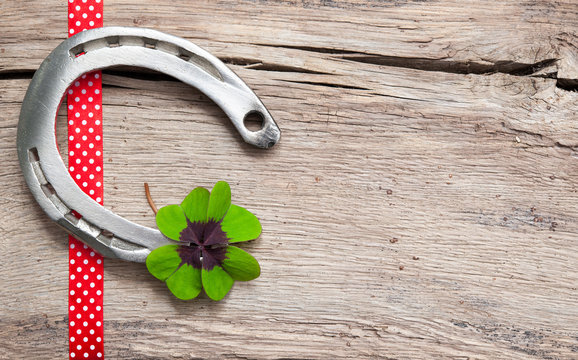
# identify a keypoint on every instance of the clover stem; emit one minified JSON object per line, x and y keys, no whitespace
{"x":150,"y":199}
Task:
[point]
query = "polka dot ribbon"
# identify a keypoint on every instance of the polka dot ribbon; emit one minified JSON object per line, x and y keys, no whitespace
{"x":85,"y":299}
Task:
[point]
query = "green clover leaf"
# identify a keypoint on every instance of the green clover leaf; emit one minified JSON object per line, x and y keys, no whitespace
{"x":204,"y":225}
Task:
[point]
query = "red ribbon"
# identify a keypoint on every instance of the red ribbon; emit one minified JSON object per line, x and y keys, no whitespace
{"x":84,"y":101}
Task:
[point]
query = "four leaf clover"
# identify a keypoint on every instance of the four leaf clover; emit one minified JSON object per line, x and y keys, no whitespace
{"x":204,"y":225}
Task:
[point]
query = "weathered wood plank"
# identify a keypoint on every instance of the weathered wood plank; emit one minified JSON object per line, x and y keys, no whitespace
{"x":412,"y":208}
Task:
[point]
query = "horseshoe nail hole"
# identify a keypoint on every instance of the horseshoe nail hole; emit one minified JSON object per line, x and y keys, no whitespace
{"x":106,"y":237}
{"x":185,"y":56}
{"x":33,"y":155}
{"x":254,"y":121}
{"x":113,"y":41}
{"x":48,"y":189}
{"x":77,"y":51}
{"x":72,"y":218}
{"x":150,"y":45}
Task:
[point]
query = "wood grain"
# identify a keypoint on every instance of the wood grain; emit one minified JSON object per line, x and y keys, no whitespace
{"x":422,"y":202}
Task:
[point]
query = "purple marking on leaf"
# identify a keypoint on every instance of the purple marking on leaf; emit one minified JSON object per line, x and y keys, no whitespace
{"x":204,"y":244}
{"x":193,"y":233}
{"x":190,"y":255}
{"x":214,"y":257}
{"x":214,"y":235}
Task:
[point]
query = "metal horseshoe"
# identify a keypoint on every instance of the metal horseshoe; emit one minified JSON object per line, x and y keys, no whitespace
{"x":43,"y":168}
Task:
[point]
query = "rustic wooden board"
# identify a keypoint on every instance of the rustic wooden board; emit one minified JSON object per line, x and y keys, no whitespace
{"x":422,"y":202}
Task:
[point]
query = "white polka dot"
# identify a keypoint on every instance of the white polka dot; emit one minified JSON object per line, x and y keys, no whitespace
{"x":84,"y":308}
{"x":92,"y":285}
{"x":84,"y":16}
{"x":97,"y":91}
{"x":77,"y":114}
{"x":97,"y":137}
{"x":72,"y":339}
{"x":71,"y":31}
{"x":72,"y":277}
{"x":78,"y":161}
{"x":70,"y":122}
{"x":97,"y":75}
{"x":92,"y":253}
{"x":78,"y":316}
{"x":71,"y":15}
{"x":79,"y":285}
{"x":79,"y":269}
{"x":91,"y":331}
{"x":83,"y":91}
{"x":84,"y":76}
{"x":77,"y":7}
{"x":97,"y":106}
{"x":99,"y":261}
{"x":78,"y":23}
{"x":91,"y":161}
{"x":90,"y":114}
{"x":71,"y":153}
{"x":72,"y":261}
{"x":90,"y":130}
{"x":72,"y":247}
{"x":91,"y":145}
{"x":98,"y":309}
{"x":71,"y":138}
{"x":84,"y":168}
{"x":85,"y":324}
{"x":91,"y":192}
{"x":79,"y":347}
{"x":77,"y":83}
{"x":99,"y":354}
{"x":70,"y":107}
{"x":83,"y":107}
{"x":85,"y":262}
{"x":98,"y":199}
{"x":77,"y":176}
{"x":91,"y":347}
{"x":90,"y":83}
{"x":72,"y":354}
{"x":77,"y":99}
{"x":77,"y":145}
{"x":91,"y":8}
{"x":98,"y":184}
{"x":79,"y":331}
{"x":78,"y":253}
{"x":90,"y":99}
{"x":91,"y":23}
{"x":71,"y":307}
{"x":78,"y":301}
{"x":84,"y":153}
{"x":91,"y":177}
{"x":72,"y":323}
{"x":85,"y":355}
{"x":84,"y":122}
{"x":98,"y":292}
{"x":91,"y":316}
{"x":84,"y":184}
{"x":98,"y":277}
{"x":97,"y":122}
{"x":85,"y":277}
{"x":77,"y":130}
{"x":72,"y":292}
{"x":91,"y":300}
{"x":85,"y":292}
{"x":92,"y":269}
{"x":98,"y":339}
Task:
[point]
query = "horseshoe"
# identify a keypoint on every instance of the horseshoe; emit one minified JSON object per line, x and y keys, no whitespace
{"x":43,"y":167}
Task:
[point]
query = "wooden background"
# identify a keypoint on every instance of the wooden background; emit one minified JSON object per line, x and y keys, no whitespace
{"x":422,"y":202}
